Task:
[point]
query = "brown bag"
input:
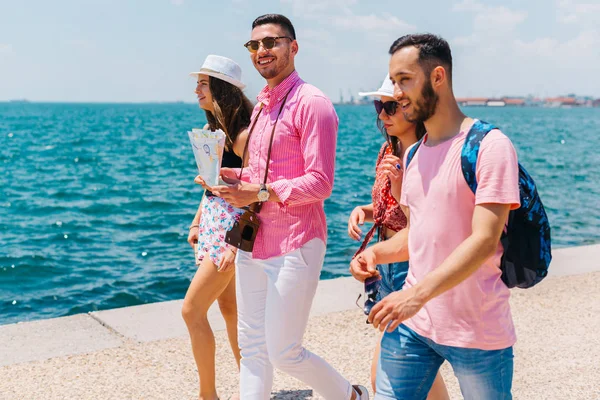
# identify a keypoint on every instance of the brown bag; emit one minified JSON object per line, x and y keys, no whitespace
{"x":243,"y":233}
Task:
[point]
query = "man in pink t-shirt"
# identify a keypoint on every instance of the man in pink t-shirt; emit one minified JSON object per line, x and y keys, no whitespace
{"x":454,"y":305}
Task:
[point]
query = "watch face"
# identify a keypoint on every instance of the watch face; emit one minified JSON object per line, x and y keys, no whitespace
{"x":263,"y":195}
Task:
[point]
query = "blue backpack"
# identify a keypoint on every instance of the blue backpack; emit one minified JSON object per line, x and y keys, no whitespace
{"x":526,"y":241}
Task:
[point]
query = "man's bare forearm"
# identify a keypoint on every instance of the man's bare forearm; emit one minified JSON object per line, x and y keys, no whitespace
{"x":461,"y":264}
{"x":488,"y":223}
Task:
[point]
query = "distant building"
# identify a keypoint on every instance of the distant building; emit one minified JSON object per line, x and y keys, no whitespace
{"x":567,"y":101}
{"x":495,"y":103}
{"x":584,"y":101}
{"x":560,"y":102}
{"x":472,"y":101}
{"x":534,"y":102}
{"x":514,"y":102}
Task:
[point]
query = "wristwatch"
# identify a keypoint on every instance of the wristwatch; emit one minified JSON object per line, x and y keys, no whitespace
{"x":263,"y":193}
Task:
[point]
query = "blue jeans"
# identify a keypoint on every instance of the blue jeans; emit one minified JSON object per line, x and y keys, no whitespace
{"x":409,"y":362}
{"x":392,"y":277}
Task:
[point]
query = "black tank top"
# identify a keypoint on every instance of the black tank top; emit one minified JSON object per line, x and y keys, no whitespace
{"x":230,"y":160}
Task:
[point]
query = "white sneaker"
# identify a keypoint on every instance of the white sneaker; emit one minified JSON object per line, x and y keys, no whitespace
{"x":361,"y":392}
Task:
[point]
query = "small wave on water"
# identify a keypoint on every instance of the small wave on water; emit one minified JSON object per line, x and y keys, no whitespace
{"x":95,"y":200}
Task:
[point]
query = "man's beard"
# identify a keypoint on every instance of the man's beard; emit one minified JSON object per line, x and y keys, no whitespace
{"x":425,"y":106}
{"x":270,"y":73}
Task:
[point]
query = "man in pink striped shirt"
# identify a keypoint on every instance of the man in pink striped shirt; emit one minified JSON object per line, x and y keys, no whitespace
{"x":276,"y":283}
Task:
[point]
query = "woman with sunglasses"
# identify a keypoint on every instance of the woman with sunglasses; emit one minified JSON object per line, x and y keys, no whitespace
{"x":219,"y":91}
{"x":384,"y":210}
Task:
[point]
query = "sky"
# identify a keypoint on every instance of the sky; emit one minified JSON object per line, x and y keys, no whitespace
{"x":142,"y":51}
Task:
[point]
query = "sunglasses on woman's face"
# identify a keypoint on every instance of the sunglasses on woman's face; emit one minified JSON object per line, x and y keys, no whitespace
{"x":268,"y":43}
{"x":390,"y":107}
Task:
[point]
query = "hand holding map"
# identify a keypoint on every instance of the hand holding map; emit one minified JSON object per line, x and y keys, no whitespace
{"x":208,"y":149}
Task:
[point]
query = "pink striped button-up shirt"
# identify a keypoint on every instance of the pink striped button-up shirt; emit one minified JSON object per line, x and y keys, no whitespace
{"x":302,"y":165}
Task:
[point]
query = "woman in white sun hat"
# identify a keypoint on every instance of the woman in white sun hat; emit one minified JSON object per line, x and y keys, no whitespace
{"x":219,"y":91}
{"x":384,"y":211}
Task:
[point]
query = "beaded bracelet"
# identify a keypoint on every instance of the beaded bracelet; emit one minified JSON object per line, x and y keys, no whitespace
{"x":194,"y":226}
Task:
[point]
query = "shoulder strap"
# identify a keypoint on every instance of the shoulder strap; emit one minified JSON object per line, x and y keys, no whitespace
{"x":412,"y":152}
{"x":470,"y":151}
{"x":270,"y":141}
{"x":244,"y":154}
{"x":382,"y":153}
{"x":272,"y":135}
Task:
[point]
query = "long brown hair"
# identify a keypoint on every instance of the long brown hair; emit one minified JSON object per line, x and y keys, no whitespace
{"x":232,"y":109}
{"x":393,"y":141}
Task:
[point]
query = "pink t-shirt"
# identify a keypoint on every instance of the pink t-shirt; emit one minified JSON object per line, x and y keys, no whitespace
{"x":475,"y":313}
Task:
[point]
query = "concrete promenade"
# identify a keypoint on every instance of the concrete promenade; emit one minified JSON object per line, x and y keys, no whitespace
{"x":143,"y":352}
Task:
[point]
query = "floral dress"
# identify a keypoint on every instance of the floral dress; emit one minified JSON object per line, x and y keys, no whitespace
{"x":218,"y":217}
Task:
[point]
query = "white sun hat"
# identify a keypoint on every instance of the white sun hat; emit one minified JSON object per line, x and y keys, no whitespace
{"x":222,"y":68}
{"x":386,"y":89}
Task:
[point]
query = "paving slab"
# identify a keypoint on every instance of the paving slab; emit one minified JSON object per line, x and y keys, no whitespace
{"x":334,"y":295}
{"x":156,"y":321}
{"x":159,"y":321}
{"x":575,"y":260}
{"x":40,"y":340}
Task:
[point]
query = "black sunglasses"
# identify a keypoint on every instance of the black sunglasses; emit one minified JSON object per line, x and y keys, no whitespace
{"x":371,"y":291}
{"x":390,"y":107}
{"x":268,"y":43}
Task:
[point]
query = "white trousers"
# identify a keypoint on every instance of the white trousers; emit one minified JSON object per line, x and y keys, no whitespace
{"x":274,"y":297}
